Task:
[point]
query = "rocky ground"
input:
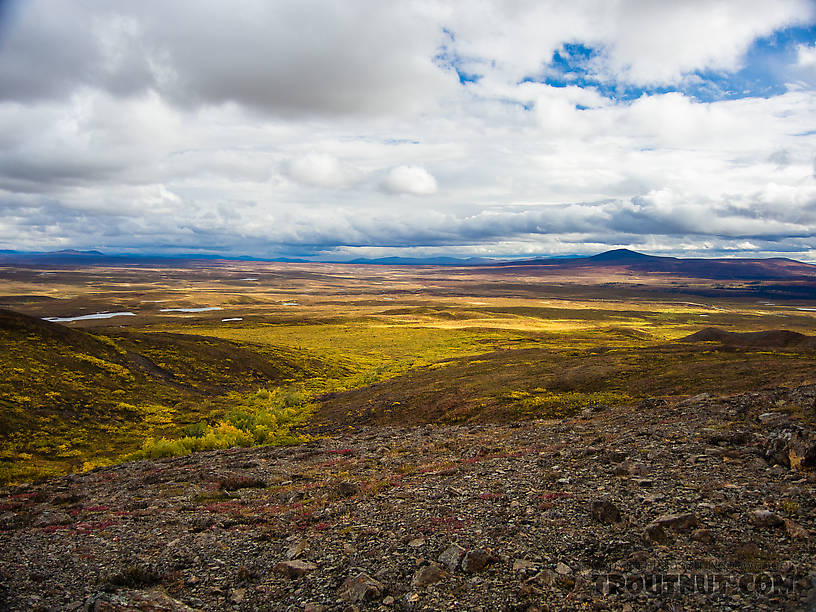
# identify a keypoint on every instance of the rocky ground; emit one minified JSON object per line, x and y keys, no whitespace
{"x":617,"y":508}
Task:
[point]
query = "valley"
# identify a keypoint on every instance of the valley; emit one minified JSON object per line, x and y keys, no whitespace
{"x":358,"y":383}
{"x":360,"y":344}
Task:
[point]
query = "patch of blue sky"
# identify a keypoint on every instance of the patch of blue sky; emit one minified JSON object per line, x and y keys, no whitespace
{"x":447,"y":58}
{"x":766,"y":70}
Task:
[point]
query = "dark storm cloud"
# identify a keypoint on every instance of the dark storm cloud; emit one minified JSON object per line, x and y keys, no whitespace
{"x":602,"y":223}
{"x":282,"y":57}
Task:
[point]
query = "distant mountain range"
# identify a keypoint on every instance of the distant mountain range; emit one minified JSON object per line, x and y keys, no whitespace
{"x":714,"y":269}
{"x":718,"y":268}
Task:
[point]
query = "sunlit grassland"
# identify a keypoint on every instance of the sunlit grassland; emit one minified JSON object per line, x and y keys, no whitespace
{"x":401,"y":337}
{"x":369,"y":345}
{"x":446,"y":344}
{"x":70,"y":399}
{"x":557,"y":383}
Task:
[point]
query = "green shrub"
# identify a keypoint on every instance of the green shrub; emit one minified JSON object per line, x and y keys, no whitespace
{"x":196,"y":430}
{"x":559,"y":404}
{"x":265,"y":417}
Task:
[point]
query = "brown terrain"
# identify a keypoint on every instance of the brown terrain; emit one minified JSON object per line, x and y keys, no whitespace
{"x":610,"y":433}
{"x":617,"y":508}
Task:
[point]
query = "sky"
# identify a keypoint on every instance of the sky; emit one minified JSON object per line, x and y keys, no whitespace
{"x":333,"y":130}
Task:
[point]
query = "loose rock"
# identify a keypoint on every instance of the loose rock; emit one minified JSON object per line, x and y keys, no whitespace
{"x":294,"y":569}
{"x":452,"y":557}
{"x":563,"y":569}
{"x":360,"y":589}
{"x":475,"y":560}
{"x":655,"y":533}
{"x":677,"y":522}
{"x":796,"y":531}
{"x":604,"y":511}
{"x":766,"y":518}
{"x":430,"y":574}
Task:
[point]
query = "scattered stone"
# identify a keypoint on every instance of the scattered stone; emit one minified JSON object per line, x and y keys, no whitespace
{"x":360,"y":589}
{"x":427,"y":575}
{"x":51,"y":517}
{"x":294,"y":569}
{"x":683,"y":521}
{"x":237,"y":595}
{"x":791,"y":447}
{"x":615,"y":456}
{"x":655,"y":533}
{"x":605,"y":511}
{"x":702,"y":535}
{"x":640,"y":557}
{"x":774,"y":418}
{"x":622,"y":469}
{"x":145,"y":514}
{"x":9,"y":521}
{"x":153,"y":600}
{"x":694,"y":400}
{"x":802,"y":451}
{"x":199,"y":523}
{"x":638,"y":469}
{"x":475,"y":560}
{"x":796,"y":531}
{"x":522,"y":565}
{"x":452,"y":557}
{"x":296,"y":549}
{"x":346,"y":488}
{"x":652,"y":403}
{"x":545,"y":577}
{"x":563,"y":569}
{"x":765,"y":518}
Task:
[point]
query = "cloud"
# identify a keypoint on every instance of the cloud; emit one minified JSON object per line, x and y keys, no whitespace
{"x":413,"y":180}
{"x":806,"y":56}
{"x":287,"y":57}
{"x":363,"y":126}
{"x":292,"y":58}
{"x":322,"y":170}
{"x":660,"y":42}
{"x":635,"y":41}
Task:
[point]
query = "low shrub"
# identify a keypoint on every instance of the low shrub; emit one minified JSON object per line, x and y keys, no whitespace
{"x":263,"y":418}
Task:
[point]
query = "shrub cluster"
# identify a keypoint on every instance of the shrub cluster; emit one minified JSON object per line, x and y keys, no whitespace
{"x":265,"y":417}
{"x":543,"y":403}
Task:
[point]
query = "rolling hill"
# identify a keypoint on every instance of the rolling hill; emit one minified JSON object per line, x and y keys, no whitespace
{"x":713,"y":269}
{"x":67,"y":394}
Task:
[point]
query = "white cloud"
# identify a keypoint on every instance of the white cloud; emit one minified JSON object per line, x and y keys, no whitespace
{"x":659,"y":42}
{"x":640,"y":41}
{"x":322,"y":170}
{"x":806,"y":56}
{"x":410,"y":179}
{"x":205,"y":125}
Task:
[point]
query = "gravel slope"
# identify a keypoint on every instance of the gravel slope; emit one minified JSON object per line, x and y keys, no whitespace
{"x":542,"y":515}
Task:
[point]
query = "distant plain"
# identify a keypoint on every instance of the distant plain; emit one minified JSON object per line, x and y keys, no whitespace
{"x":315,"y":349}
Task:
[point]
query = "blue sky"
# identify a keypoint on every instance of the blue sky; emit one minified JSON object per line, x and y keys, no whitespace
{"x":768,"y":68}
{"x":336,"y":130}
